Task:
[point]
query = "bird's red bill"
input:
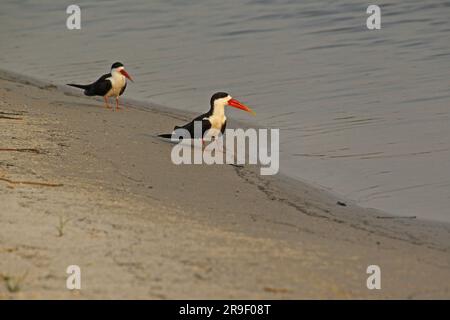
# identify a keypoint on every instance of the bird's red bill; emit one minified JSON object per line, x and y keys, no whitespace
{"x":125,"y":74}
{"x":236,"y":104}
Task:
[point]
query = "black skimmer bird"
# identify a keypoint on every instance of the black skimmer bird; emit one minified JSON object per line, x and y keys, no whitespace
{"x":214,"y":120}
{"x":108,"y":85}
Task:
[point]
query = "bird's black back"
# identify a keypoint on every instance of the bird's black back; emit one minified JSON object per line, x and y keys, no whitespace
{"x":206,"y":125}
{"x":99,"y":87}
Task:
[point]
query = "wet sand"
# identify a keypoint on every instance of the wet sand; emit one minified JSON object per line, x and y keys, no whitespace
{"x":100,"y":192}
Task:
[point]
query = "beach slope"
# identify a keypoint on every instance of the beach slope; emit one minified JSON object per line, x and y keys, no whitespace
{"x":82,"y":185}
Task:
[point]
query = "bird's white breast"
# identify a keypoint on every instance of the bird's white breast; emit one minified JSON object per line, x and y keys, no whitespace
{"x":118,"y":81}
{"x":217,"y":118}
{"x":217,"y":121}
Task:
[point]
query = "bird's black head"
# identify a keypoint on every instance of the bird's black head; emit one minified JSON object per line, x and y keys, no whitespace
{"x":116,"y":65}
{"x":218,"y":95}
{"x":227,"y":100}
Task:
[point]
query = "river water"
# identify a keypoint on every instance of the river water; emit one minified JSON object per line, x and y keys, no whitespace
{"x":364,"y":113}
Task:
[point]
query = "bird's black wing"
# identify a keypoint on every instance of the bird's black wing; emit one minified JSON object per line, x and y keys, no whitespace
{"x":190,"y":127}
{"x":123,"y":89}
{"x":223,"y":127}
{"x":99,"y":87}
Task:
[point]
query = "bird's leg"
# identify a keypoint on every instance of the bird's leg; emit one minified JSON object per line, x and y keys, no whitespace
{"x":106,"y":102}
{"x":117,"y":104}
{"x":229,"y":154}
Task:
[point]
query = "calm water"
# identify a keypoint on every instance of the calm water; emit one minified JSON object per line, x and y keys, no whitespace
{"x":364,"y":113}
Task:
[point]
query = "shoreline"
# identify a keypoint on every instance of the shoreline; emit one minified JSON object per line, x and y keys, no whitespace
{"x":185,"y":115}
{"x":260,"y":237}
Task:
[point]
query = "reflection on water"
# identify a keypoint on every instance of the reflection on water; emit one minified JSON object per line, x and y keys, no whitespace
{"x":364,"y":113}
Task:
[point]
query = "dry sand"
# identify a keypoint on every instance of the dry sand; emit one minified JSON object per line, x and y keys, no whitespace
{"x":141,"y":227}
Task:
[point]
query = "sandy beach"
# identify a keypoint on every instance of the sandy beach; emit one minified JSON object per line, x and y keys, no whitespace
{"x":362,"y":112}
{"x":83,"y":185}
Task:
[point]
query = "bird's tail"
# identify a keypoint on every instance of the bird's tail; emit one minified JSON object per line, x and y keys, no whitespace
{"x":165,"y":135}
{"x":81,"y":86}
{"x":168,"y":135}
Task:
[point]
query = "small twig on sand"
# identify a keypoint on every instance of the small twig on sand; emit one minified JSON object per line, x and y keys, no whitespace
{"x":33,"y":183}
{"x":393,"y":217}
{"x":12,"y":113}
{"x":10,"y":118}
{"x":32,"y":150}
